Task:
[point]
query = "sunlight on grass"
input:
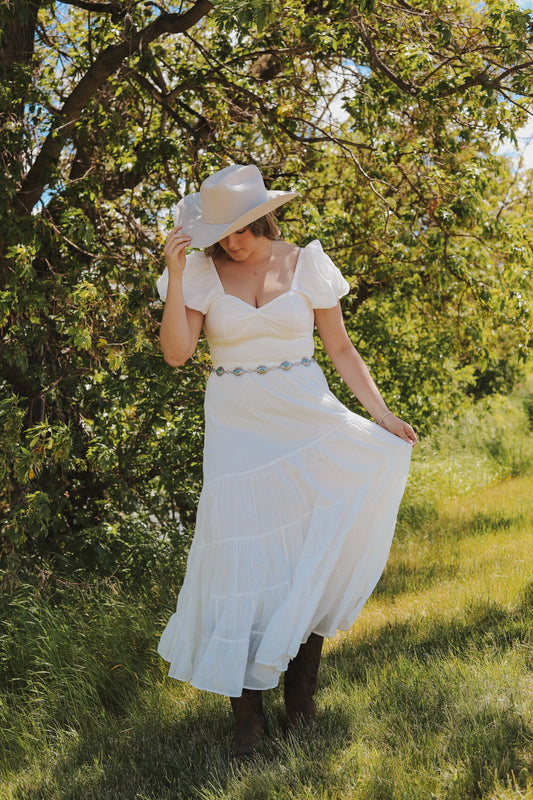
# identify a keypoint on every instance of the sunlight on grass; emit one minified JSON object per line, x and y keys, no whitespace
{"x":479,"y":551}
{"x":490,"y":442}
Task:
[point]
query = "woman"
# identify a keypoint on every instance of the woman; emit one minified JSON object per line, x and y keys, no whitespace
{"x":300,"y":495}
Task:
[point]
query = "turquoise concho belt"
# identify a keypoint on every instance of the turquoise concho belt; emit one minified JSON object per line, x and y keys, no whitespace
{"x":261,"y":369}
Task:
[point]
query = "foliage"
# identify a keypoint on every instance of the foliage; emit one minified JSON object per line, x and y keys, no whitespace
{"x":386,"y":119}
{"x":490,"y":441}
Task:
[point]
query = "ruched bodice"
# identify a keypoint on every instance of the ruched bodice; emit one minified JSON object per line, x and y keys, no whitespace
{"x":241,"y":335}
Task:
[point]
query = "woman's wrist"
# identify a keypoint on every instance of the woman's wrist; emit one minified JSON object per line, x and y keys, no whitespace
{"x":384,"y":415}
{"x":175,"y":280}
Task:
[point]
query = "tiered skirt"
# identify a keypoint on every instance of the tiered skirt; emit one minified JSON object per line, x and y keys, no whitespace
{"x":294,"y":527}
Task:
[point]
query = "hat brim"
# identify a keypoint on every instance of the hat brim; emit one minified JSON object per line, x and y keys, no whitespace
{"x":188,"y":214}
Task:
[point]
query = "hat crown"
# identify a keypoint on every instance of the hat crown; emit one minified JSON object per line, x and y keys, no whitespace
{"x":231,"y":193}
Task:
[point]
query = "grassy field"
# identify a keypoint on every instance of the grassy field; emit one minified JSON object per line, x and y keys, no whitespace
{"x":430,"y":695}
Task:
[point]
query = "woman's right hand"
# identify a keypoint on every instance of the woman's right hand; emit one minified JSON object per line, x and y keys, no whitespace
{"x":175,"y":246}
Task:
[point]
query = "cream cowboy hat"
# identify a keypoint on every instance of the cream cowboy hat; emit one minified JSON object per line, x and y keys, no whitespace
{"x":227,"y":201}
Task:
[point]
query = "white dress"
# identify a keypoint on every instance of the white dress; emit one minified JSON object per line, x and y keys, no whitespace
{"x":299,"y":498}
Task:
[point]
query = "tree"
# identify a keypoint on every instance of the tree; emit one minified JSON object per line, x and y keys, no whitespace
{"x":384,"y":117}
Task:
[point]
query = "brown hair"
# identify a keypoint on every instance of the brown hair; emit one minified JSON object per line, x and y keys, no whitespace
{"x":264,"y":226}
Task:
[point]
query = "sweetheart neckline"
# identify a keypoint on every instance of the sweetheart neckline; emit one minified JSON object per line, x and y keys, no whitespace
{"x":259,"y":308}
{"x":246,"y":303}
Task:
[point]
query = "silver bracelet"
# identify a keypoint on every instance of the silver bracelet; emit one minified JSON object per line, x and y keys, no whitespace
{"x":386,"y":414}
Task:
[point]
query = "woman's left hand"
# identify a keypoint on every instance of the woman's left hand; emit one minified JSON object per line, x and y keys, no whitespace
{"x":400,"y":428}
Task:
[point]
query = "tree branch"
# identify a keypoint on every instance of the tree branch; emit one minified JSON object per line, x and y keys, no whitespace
{"x":108,"y":62}
{"x":380,"y":65}
{"x":100,"y":8}
{"x":165,"y":101}
{"x":484,"y":79}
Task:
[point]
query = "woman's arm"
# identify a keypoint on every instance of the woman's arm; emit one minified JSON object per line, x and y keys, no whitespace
{"x":355,"y":373}
{"x":180,"y":326}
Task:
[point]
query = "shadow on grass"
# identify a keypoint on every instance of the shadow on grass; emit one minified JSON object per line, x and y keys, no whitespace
{"x":399,"y":688}
{"x":407,"y":575}
{"x":188,"y":757}
{"x":483,"y":627}
{"x":483,"y":522}
{"x":401,"y":577}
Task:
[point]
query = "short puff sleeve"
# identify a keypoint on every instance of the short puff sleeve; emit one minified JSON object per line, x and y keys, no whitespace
{"x":319,"y":279}
{"x":200,"y":284}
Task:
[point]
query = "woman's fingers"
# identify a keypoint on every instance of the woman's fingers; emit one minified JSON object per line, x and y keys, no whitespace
{"x":179,"y":236}
{"x":411,"y":436}
{"x":401,"y":429}
{"x":175,"y":246}
{"x":176,"y":238}
{"x":179,"y":233}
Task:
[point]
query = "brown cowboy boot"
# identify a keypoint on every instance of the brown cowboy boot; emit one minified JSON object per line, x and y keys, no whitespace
{"x":300,"y":683}
{"x":249,"y":721}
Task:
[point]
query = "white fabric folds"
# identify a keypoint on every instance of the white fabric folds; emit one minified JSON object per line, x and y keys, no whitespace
{"x":300,"y":495}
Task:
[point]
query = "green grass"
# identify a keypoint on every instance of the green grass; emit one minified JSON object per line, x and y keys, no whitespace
{"x":429,"y":696}
{"x":490,"y":441}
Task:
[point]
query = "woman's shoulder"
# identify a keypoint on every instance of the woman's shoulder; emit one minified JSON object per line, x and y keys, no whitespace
{"x":319,"y":278}
{"x":200,"y":284}
{"x":199,"y":272}
{"x":197,"y":261}
{"x":314,"y":248}
{"x":286,"y":248}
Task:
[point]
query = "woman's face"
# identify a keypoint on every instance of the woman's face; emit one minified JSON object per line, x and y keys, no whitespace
{"x":239,"y":245}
